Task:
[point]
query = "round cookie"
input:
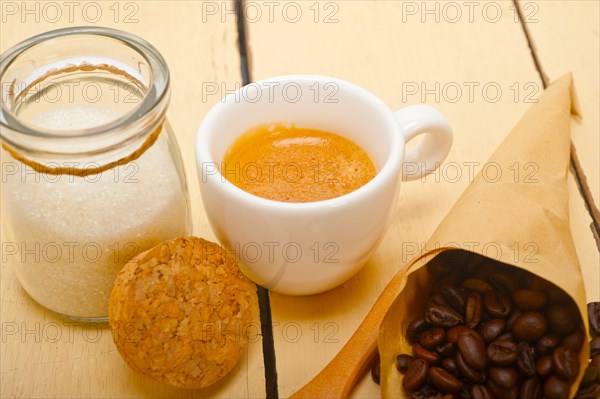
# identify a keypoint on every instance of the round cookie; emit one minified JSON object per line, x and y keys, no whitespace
{"x":180,"y":312}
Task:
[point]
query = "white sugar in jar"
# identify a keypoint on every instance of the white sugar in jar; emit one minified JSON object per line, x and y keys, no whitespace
{"x":91,"y":172}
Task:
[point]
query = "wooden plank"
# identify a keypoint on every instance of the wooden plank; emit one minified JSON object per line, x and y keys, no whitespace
{"x":44,"y":356}
{"x":406,"y":53}
{"x":565,"y":34}
{"x":584,"y":242}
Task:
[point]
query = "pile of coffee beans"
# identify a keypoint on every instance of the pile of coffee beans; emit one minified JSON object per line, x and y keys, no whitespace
{"x":589,"y":388}
{"x":498,"y":333}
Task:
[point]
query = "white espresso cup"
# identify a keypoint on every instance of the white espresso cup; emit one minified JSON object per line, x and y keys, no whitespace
{"x":310,"y":247}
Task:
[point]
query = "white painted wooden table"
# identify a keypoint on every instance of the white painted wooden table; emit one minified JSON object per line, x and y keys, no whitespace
{"x":472,"y":61}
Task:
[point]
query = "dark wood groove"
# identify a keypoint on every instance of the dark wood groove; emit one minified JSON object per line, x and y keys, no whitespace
{"x":531,"y":44}
{"x":264,"y":303}
{"x":575,"y":165}
{"x":269,"y":360}
{"x":242,"y":30}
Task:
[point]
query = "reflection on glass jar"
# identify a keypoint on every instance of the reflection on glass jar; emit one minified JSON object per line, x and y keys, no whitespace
{"x":91,"y":171}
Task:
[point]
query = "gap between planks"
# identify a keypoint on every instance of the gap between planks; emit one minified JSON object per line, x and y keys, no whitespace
{"x":264,"y":303}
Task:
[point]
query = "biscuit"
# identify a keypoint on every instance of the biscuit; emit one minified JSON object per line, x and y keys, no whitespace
{"x":181,"y":312}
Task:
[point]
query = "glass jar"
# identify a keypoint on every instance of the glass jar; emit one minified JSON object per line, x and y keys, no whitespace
{"x":91,"y":171}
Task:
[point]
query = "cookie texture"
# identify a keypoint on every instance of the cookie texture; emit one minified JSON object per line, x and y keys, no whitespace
{"x":181,"y":312}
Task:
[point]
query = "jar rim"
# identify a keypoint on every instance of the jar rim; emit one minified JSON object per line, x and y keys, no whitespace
{"x":155,"y":95}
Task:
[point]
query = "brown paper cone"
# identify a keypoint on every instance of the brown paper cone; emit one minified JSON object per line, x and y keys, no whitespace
{"x":515,"y":211}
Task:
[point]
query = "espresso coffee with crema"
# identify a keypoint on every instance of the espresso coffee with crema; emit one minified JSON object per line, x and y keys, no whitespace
{"x":283,"y":162}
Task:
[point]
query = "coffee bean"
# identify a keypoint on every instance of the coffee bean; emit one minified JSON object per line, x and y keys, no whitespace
{"x":531,"y":388}
{"x":426,"y":392}
{"x":449,"y":364}
{"x":376,"y":371}
{"x":594,"y":317}
{"x":574,"y":340}
{"x":455,"y":332}
{"x":420,"y":352}
{"x":554,"y":293}
{"x":590,"y":376}
{"x":555,"y":388}
{"x":503,"y":282}
{"x":416,"y":375}
{"x":492,"y":329}
{"x":563,"y":320}
{"x":529,"y":299}
{"x":443,"y":316}
{"x":546,"y":344}
{"x":530,"y":326}
{"x":432,"y":338}
{"x":502,"y":352}
{"x":510,"y":322}
{"x":437,"y":298}
{"x":473,"y":309}
{"x":476,"y":284}
{"x":422,"y":394}
{"x":481,"y":392}
{"x":415,"y":328}
{"x":464,"y":392}
{"x":402,"y":362}
{"x":497,"y":304}
{"x":565,"y":363}
{"x":443,"y":380}
{"x":445,"y":349}
{"x":505,"y":377}
{"x":472,"y":348}
{"x":525,"y":359}
{"x":543,"y":366}
{"x":507,"y":336}
{"x":595,"y":346}
{"x":455,"y":298}
{"x":473,"y":375}
{"x":591,"y":392}
{"x":502,"y":393}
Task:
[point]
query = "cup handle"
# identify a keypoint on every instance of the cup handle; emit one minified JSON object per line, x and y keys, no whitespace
{"x":433,"y":149}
